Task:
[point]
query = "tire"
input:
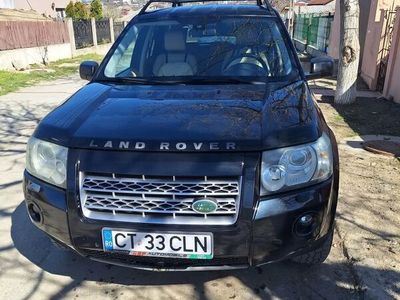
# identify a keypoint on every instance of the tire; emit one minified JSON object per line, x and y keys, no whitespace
{"x":316,"y":256}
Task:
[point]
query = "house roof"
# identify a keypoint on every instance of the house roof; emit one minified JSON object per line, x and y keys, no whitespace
{"x":7,"y":14}
{"x":302,"y":3}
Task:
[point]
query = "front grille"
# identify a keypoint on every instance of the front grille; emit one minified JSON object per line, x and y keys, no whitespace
{"x":157,"y":262}
{"x":158,"y":199}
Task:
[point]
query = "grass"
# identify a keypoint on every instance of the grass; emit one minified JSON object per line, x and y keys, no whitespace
{"x":338,"y":118}
{"x":11,"y":81}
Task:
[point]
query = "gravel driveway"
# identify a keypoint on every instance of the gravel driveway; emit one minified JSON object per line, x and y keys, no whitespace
{"x":364,"y":261}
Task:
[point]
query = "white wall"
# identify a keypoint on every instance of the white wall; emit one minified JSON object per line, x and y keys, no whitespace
{"x":392,"y":86}
{"x":26,"y":56}
{"x":374,"y":41}
{"x":315,"y":9}
{"x":99,"y":49}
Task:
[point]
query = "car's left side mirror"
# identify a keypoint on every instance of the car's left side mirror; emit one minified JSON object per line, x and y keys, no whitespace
{"x":87,"y":69}
{"x":320,"y":67}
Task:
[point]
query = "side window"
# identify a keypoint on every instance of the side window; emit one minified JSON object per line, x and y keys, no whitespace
{"x":121,"y":58}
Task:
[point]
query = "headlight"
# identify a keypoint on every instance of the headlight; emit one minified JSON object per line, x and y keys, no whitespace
{"x":47,"y":161}
{"x":288,"y":168}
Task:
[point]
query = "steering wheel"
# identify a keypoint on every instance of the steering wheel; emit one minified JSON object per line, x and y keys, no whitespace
{"x":237,"y":61}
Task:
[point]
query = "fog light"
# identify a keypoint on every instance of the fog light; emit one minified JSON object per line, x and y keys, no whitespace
{"x":34,"y":212}
{"x":306,"y":220}
{"x":305,"y":225}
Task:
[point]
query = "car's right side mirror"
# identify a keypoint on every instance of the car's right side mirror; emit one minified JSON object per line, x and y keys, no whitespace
{"x":320,"y":67}
{"x":87,"y":69}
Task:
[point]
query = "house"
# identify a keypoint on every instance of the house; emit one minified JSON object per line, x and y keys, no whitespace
{"x":379,"y":44}
{"x":315,"y":6}
{"x":50,"y":8}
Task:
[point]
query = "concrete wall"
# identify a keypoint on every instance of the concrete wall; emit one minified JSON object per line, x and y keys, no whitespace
{"x":315,"y":9}
{"x":26,"y":56}
{"x":99,"y":49}
{"x":374,"y":41}
{"x":392,"y":86}
{"x":22,"y":58}
{"x":334,"y":41}
{"x":372,"y":27}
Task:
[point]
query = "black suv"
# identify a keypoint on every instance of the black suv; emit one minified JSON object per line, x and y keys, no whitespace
{"x":197,"y":144}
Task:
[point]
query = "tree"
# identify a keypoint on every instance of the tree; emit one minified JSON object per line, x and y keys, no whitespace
{"x":70,"y":10}
{"x":77,"y":11}
{"x":81,"y":11}
{"x":349,"y":59}
{"x":111,"y":11}
{"x":96,"y":9}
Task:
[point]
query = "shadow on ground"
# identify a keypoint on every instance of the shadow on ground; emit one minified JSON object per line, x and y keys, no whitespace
{"x":369,"y":116}
{"x":283,"y":280}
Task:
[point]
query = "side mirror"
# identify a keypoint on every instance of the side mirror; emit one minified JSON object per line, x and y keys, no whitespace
{"x":320,"y":67}
{"x":87,"y":69}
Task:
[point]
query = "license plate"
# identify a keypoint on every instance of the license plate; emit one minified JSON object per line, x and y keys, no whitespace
{"x":166,"y":244}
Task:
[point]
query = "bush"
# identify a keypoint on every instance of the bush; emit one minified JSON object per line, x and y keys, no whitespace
{"x":77,"y":11}
{"x":96,"y":9}
{"x":81,"y":11}
{"x":70,"y":10}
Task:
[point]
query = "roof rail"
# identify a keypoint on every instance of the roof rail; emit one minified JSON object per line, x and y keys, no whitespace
{"x":262,"y":3}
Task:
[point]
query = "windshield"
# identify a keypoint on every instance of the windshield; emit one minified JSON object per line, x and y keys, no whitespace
{"x":197,"y":48}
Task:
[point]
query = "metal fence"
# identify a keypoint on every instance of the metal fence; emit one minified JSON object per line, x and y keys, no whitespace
{"x":103,"y":31}
{"x":118,"y":27}
{"x":313,"y":30}
{"x":83,"y":34}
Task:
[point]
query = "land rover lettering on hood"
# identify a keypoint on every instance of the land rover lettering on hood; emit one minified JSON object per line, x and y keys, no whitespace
{"x":196,"y":144}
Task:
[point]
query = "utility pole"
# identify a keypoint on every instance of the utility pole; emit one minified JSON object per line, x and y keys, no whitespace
{"x":291,"y":18}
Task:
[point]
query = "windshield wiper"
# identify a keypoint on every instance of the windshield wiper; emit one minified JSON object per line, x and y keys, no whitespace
{"x":136,"y":80}
{"x":153,"y":81}
{"x":222,"y":80}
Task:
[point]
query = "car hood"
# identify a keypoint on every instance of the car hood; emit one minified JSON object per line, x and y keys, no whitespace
{"x":183,"y":118}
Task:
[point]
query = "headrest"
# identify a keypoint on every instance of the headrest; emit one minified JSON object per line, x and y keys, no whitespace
{"x":174,"y":41}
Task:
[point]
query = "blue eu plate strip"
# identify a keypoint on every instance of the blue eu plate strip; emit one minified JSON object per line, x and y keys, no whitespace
{"x":107,"y":240}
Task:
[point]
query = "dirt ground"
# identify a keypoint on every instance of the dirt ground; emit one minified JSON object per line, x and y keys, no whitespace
{"x":368,"y":221}
{"x":364,"y":262}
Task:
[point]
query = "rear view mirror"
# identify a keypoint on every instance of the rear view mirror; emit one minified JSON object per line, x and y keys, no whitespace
{"x":320,"y":67}
{"x":87,"y":69}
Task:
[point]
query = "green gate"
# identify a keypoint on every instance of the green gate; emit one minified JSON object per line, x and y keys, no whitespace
{"x":313,"y":30}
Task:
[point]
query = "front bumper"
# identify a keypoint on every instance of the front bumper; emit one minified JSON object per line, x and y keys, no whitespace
{"x":264,"y":232}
